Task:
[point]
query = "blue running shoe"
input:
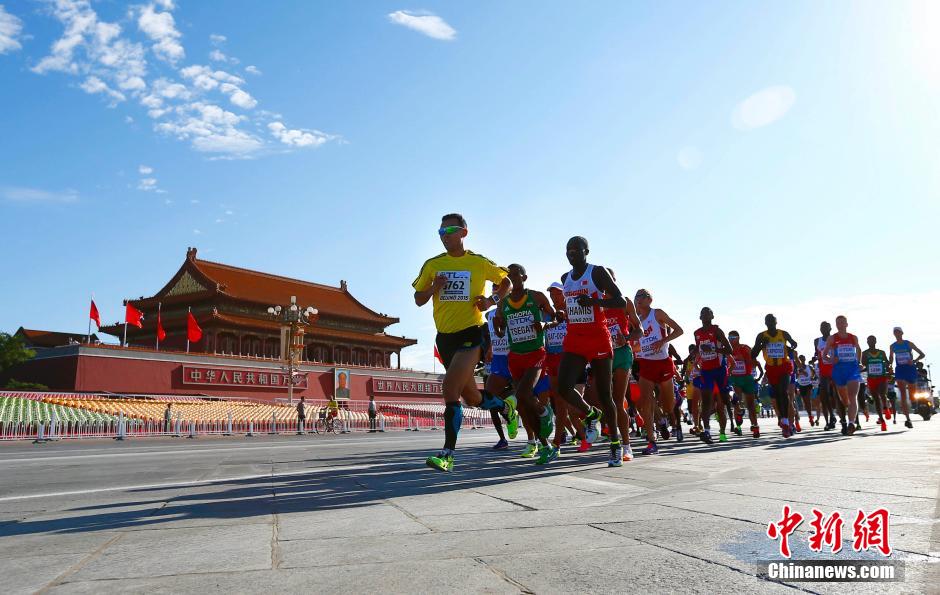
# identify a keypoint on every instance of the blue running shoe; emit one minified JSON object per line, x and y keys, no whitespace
{"x":501,"y":445}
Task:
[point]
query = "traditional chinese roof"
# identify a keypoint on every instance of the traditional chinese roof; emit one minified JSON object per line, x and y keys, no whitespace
{"x":317,"y":331}
{"x":198,"y":278}
{"x":39,"y":338}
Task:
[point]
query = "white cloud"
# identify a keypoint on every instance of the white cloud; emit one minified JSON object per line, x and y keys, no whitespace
{"x":250,"y":69}
{"x":217,"y":39}
{"x":145,"y":170}
{"x":93,"y":85}
{"x":211,"y":129}
{"x":36,"y":195}
{"x":220,"y":56}
{"x":298,"y":138}
{"x":128,"y":120}
{"x":763,"y":108}
{"x":147,"y":184}
{"x":161,"y":28}
{"x":196,"y":232}
{"x":238,"y":96}
{"x":10,"y":29}
{"x":428,"y":24}
{"x":689,"y":157}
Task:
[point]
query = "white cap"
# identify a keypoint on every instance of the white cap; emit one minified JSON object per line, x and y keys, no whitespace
{"x":898,"y":329}
{"x":556,"y":285}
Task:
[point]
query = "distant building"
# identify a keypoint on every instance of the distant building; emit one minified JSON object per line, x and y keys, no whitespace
{"x":36,"y":339}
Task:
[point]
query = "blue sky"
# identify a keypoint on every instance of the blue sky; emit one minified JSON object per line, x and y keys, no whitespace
{"x":748,"y":156}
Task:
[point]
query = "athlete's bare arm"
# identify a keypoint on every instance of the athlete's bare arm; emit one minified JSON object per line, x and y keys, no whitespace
{"x":723,"y":344}
{"x":787,"y":336}
{"x":759,"y":367}
{"x":499,"y":323}
{"x":484,"y":303}
{"x":606,"y":285}
{"x":675,"y":331}
{"x":422,"y":297}
{"x":758,"y":345}
{"x":920,"y":354}
{"x":548,"y":313}
{"x":829,"y":349}
{"x":636,"y":330}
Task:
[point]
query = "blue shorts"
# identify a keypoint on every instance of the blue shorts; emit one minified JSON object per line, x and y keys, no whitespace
{"x":543,"y":385}
{"x":698,"y":383}
{"x":716,"y":377}
{"x":499,"y":366}
{"x":846,"y":372}
{"x":906,"y":373}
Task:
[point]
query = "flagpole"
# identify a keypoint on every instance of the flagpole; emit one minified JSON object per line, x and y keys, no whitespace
{"x":189,"y":312}
{"x":159,"y":305}
{"x":88,"y":339}
{"x":124,"y":344}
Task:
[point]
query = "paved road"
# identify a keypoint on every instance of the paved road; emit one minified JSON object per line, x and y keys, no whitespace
{"x":361,"y":513}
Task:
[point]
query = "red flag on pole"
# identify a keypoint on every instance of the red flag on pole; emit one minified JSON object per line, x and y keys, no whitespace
{"x":93,"y":314}
{"x":161,"y":334}
{"x":193,"y":332}
{"x":134,"y":316}
{"x":437,"y":355}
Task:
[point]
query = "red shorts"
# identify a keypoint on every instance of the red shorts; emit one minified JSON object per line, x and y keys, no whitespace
{"x":657,"y":370}
{"x":777,"y":373}
{"x":589,"y":346}
{"x":551,"y":364}
{"x":825,"y":370}
{"x":520,"y":362}
{"x":875,"y":382}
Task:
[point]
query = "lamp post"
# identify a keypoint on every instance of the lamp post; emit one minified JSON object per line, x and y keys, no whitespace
{"x":294,"y":319}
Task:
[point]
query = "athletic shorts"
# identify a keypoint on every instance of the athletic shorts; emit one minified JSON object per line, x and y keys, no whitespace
{"x":448,"y":344}
{"x":657,"y":370}
{"x":805,"y":390}
{"x":551,"y":364}
{"x":906,"y":373}
{"x":499,"y":366}
{"x":846,"y":372}
{"x":543,"y":385}
{"x":698,"y":383}
{"x":590,"y":346}
{"x":746,"y":384}
{"x":623,"y":358}
{"x":825,"y":370}
{"x":520,"y":362}
{"x":776,"y":373}
{"x":874,"y":382}
{"x":715,"y":378}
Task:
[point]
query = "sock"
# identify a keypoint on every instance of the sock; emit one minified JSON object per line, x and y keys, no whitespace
{"x":453,"y":417}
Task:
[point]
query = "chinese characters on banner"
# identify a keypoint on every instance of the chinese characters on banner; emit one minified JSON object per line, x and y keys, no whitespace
{"x":869,"y":532}
{"x":412,"y":387}
{"x":257,"y":378}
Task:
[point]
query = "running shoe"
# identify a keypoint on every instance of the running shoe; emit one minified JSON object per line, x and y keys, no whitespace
{"x":845,"y":429}
{"x":787,"y":431}
{"x":530,"y":449}
{"x":664,"y":430}
{"x":651,"y":449}
{"x":584,"y":446}
{"x":850,"y":430}
{"x":512,"y":417}
{"x":547,"y":454}
{"x":811,"y":421}
{"x":501,"y":445}
{"x":616,"y":455}
{"x":706,"y":437}
{"x":798,"y":428}
{"x":575,"y":442}
{"x":694,"y":431}
{"x":547,"y":422}
{"x":627,"y":452}
{"x":722,"y":437}
{"x":739,"y":420}
{"x":441,"y":462}
{"x":755,"y":431}
{"x":591,"y":423}
{"x":887,"y":413}
{"x":677,"y":432}
{"x":908,"y":424}
{"x":884,"y":426}
{"x":737,"y":430}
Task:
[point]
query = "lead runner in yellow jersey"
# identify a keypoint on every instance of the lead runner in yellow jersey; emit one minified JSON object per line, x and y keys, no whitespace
{"x":456,"y":280}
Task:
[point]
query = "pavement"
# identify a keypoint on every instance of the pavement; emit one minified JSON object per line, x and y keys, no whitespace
{"x":361,"y":513}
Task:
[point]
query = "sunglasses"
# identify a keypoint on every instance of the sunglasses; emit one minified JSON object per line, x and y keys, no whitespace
{"x":449,"y":230}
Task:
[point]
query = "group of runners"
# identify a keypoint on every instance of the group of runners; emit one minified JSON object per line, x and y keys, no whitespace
{"x":561,"y":361}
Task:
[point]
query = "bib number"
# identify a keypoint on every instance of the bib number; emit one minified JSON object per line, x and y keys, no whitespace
{"x":555,"y":336}
{"x":708,"y":351}
{"x":903,"y":358}
{"x":776,"y":350}
{"x":500,"y":345}
{"x":846,"y":353}
{"x":739,"y":369}
{"x":520,"y":327}
{"x":457,"y":288}
{"x":578,"y":314}
{"x":875,"y":368}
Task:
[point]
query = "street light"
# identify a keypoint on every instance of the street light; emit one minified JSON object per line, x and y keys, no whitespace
{"x":294,"y":319}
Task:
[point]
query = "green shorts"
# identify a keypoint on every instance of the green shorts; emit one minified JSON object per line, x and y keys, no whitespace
{"x":623,"y":358}
{"x":746,"y":384}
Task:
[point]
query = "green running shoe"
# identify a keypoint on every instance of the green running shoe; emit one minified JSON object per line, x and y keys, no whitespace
{"x":440,"y":462}
{"x":590,"y":425}
{"x":530,"y":449}
{"x":512,"y":417}
{"x":547,"y":423}
{"x":547,"y":454}
{"x":722,"y":437}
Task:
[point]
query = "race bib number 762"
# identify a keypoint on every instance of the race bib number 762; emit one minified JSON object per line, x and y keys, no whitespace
{"x":457,"y":288}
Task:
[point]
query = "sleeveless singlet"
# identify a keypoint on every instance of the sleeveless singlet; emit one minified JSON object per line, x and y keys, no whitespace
{"x":499,"y":345}
{"x":521,"y":323}
{"x":903,"y":354}
{"x":710,"y":358}
{"x":845,"y":348}
{"x":619,"y":327}
{"x":876,"y":365}
{"x":555,"y":337}
{"x":652,"y":332}
{"x":583,"y":319}
{"x":775,"y":348}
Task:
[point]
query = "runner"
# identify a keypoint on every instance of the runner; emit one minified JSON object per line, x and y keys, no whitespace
{"x":843,"y":347}
{"x":656,"y":367}
{"x":905,"y":371}
{"x":793,"y":397}
{"x":713,"y":346}
{"x":499,"y":381}
{"x":826,"y":391}
{"x":455,"y":280}
{"x":742,"y":378}
{"x":624,"y":326}
{"x":804,"y":383}
{"x":520,"y":318}
{"x":588,"y":342}
{"x":778,"y":367}
{"x":691,"y":377}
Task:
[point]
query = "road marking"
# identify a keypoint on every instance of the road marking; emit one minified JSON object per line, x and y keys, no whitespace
{"x":182,"y":484}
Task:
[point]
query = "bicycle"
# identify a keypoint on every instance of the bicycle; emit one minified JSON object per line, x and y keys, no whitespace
{"x":326,"y":425}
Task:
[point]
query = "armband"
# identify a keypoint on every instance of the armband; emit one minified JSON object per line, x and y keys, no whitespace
{"x":495,"y":298}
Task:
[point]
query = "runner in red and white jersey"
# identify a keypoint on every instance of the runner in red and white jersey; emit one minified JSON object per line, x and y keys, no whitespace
{"x":623,"y":326}
{"x":827,"y":392}
{"x":588,"y":341}
{"x":656,"y":367}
